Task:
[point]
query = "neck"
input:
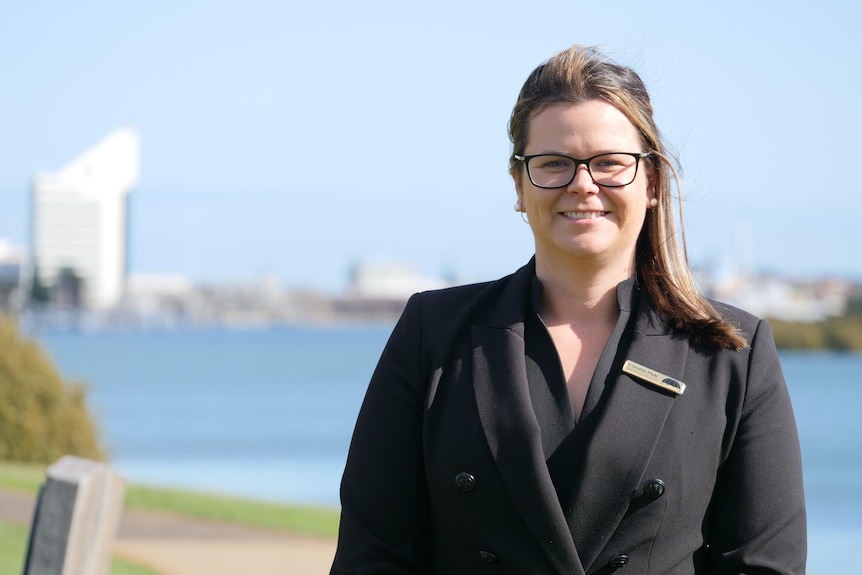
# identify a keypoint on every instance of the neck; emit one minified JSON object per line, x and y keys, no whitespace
{"x":579,"y":294}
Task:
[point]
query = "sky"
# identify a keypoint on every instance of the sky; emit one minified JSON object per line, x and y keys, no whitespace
{"x":292,"y":140}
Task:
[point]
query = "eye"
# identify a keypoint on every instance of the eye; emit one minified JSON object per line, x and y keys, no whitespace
{"x":555,"y":163}
{"x":609,"y":161}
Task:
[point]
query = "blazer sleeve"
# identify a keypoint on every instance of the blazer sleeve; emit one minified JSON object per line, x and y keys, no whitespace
{"x":758,"y":521}
{"x":384,"y":524}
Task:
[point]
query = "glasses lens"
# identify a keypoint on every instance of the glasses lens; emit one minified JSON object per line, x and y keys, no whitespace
{"x":614,"y":169}
{"x":549,"y":171}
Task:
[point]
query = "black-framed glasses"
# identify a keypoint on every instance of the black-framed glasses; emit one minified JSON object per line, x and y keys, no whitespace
{"x":612,"y":170}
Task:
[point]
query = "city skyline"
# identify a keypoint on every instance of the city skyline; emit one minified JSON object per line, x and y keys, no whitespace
{"x":294,"y":141}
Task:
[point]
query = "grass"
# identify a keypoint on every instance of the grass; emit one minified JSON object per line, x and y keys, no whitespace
{"x":13,"y":547}
{"x":310,"y":520}
{"x":320,"y":521}
{"x":21,"y":476}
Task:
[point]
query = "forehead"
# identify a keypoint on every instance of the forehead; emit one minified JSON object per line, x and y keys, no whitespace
{"x":581,"y":129}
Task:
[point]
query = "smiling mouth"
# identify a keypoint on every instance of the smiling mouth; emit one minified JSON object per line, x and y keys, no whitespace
{"x":584,"y":215}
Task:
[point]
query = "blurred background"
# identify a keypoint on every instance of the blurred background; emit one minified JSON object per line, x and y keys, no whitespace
{"x":200,"y":200}
{"x":290,"y":140}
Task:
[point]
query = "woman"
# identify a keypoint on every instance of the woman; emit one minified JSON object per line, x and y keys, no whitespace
{"x":590,"y":412}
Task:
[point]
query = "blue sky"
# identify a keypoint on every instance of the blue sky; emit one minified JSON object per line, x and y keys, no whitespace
{"x":293,"y":139}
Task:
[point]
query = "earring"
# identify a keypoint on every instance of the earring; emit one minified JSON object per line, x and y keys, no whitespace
{"x":653,"y":202}
{"x":520,"y":208}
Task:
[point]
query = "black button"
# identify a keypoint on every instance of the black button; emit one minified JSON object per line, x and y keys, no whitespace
{"x":465,"y":481}
{"x":618,"y":561}
{"x":487,"y":557}
{"x":654,"y":488}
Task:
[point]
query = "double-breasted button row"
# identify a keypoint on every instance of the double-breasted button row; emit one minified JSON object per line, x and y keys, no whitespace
{"x":654,"y":488}
{"x":465,"y":482}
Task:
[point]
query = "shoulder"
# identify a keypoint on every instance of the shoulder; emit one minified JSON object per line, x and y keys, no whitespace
{"x":453,"y":306}
{"x":476,"y":298}
{"x":499,"y":302}
{"x":453,"y":298}
{"x":747,"y":323}
{"x":756,"y":330}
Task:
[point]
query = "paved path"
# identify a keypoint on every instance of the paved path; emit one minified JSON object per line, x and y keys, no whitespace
{"x":174,"y":545}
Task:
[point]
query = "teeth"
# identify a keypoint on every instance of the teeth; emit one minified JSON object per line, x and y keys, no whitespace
{"x":583,"y":215}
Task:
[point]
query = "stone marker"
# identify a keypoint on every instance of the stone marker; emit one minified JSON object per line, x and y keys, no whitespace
{"x":76,"y":519}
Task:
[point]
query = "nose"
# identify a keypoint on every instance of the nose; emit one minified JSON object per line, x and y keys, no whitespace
{"x":583,"y":182}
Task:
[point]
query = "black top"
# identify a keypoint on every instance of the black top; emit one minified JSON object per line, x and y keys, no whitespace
{"x":549,"y":393}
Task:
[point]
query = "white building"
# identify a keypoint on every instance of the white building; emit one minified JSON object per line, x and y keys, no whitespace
{"x":80,"y":219}
{"x":388,"y":280}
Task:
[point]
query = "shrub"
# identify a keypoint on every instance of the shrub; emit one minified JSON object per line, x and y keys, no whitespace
{"x":836,"y":333}
{"x":844,"y":333}
{"x":42,"y":417}
{"x":798,"y":335}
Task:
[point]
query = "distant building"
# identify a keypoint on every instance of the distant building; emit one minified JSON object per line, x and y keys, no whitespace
{"x":80,"y":220}
{"x":775,"y":297}
{"x":379,"y":290}
{"x":388,"y":281}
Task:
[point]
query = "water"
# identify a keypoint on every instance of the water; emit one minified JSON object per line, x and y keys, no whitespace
{"x":826,"y":389}
{"x":268,"y":414}
{"x":260,"y":413}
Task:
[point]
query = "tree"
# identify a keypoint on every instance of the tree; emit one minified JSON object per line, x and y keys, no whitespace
{"x":42,"y":416}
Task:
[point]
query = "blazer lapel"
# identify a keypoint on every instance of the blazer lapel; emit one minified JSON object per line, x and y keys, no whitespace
{"x":511,"y":428}
{"x":626,"y":425}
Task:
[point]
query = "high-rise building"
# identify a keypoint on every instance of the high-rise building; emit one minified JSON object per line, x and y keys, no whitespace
{"x":80,"y":221}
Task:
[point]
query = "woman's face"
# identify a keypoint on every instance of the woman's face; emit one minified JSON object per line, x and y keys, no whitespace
{"x":583,"y":221}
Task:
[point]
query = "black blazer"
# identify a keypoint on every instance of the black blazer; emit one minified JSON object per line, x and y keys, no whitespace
{"x":446,"y":472}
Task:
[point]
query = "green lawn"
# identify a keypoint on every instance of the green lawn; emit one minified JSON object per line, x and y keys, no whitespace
{"x":13,"y":547}
{"x":322,"y":521}
{"x":21,"y":476}
{"x":319,"y":521}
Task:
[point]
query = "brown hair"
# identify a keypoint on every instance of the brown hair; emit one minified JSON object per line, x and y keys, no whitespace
{"x":583,"y":73}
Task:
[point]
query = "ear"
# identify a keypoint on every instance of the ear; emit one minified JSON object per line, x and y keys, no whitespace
{"x":651,"y":193}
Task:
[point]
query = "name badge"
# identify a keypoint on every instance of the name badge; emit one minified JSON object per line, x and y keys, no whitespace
{"x":653,"y":377}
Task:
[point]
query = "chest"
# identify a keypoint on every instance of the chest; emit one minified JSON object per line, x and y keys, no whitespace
{"x":579,"y":351}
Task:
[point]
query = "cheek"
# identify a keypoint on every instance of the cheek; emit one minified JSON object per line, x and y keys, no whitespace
{"x":635,"y":208}
{"x":645,"y":192}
